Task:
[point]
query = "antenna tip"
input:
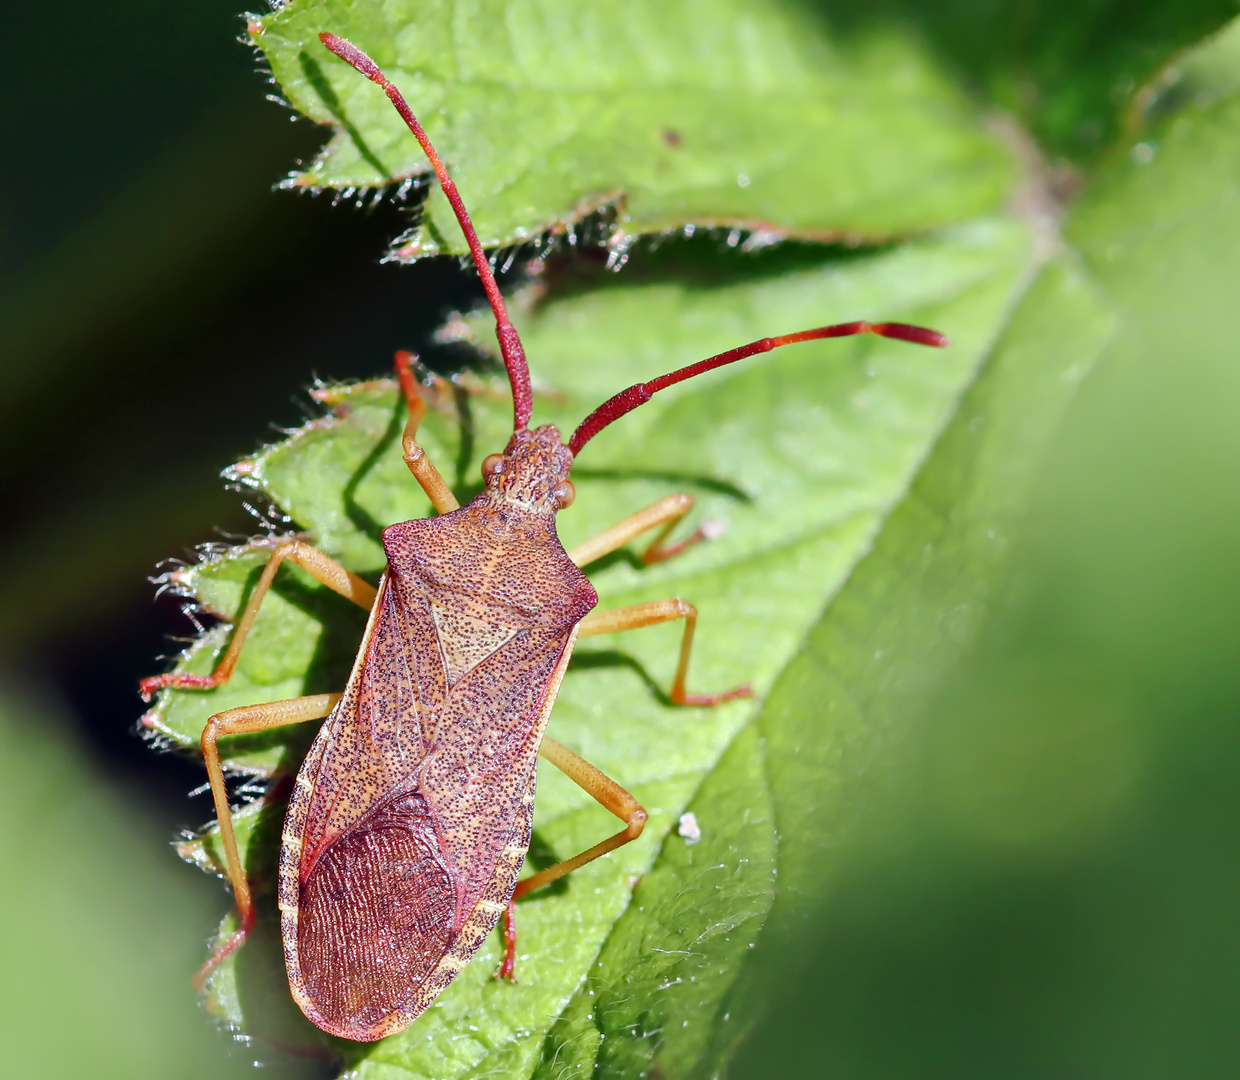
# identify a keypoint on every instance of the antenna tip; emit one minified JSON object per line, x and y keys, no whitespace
{"x":352,"y":55}
{"x":918,"y":335}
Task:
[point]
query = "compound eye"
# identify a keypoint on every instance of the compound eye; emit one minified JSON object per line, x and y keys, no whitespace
{"x":565,"y":494}
{"x":492,"y":464}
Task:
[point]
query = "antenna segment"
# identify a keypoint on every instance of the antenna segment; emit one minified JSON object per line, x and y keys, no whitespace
{"x":509,"y":342}
{"x":628,"y":400}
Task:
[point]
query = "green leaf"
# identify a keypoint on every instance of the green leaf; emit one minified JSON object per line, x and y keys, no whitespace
{"x":1072,"y":74}
{"x":873,"y":494}
{"x":1174,"y":186}
{"x":665,"y":988}
{"x":738,"y":114}
{"x":802,"y":453}
{"x":929,"y":582}
{"x":1056,"y":777}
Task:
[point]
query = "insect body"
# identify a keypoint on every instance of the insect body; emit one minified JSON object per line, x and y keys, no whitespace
{"x":415,"y":805}
{"x":410,"y":818}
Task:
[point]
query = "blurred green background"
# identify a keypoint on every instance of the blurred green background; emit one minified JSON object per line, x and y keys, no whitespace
{"x":1046,"y":883}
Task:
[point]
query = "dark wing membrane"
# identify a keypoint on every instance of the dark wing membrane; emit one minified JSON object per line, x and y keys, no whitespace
{"x":375,"y":919}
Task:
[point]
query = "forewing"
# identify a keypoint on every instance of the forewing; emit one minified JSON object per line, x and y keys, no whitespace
{"x":375,"y":740}
{"x":485,"y":750}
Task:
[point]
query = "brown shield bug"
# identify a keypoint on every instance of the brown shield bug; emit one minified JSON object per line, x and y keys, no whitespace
{"x":410,"y":817}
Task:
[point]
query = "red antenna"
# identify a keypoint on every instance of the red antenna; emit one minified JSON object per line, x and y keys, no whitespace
{"x":628,"y":400}
{"x":509,"y":341}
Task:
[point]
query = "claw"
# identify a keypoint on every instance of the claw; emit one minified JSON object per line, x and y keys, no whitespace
{"x":508,"y":968}
{"x":148,"y":686}
{"x":709,"y":700}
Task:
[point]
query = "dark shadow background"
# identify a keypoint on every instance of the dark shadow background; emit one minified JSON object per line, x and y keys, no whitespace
{"x":162,"y":310}
{"x":148,"y":271}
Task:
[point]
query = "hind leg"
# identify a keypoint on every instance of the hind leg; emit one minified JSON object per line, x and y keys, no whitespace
{"x":610,"y":795}
{"x":243,"y":721}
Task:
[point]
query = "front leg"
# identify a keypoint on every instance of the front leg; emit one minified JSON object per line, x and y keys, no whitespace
{"x":423,"y":469}
{"x":322,"y":568}
{"x":666,"y":513}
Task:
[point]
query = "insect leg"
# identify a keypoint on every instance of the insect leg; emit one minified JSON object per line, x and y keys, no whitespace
{"x":508,"y":966}
{"x":246,"y":720}
{"x":614,"y":620}
{"x":666,"y":512}
{"x":610,"y":795}
{"x":423,"y":469}
{"x":316,"y":564}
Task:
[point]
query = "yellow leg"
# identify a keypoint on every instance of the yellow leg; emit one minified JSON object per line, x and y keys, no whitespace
{"x":608,"y":793}
{"x":666,"y":512}
{"x":423,"y":469}
{"x":246,"y":720}
{"x":615,"y":620}
{"x":319,"y":566}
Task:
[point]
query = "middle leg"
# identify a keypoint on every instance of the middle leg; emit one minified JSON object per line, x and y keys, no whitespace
{"x":615,"y":620}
